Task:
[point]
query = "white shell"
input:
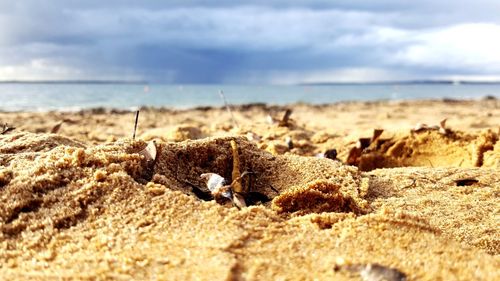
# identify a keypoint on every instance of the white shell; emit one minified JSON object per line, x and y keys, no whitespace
{"x":149,"y":152}
{"x":215,"y":182}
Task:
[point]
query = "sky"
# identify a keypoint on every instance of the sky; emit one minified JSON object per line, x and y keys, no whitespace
{"x":249,"y":42}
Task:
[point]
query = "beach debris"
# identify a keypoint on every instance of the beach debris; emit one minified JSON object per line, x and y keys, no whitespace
{"x":376,"y":135}
{"x":241,"y":196}
{"x":331,"y":154}
{"x":201,"y":194}
{"x":149,"y":153}
{"x":223,"y":97}
{"x":6,"y":129}
{"x":373,"y":272}
{"x":270,"y":119}
{"x":135,"y":123}
{"x":283,"y":122}
{"x":289,"y":142}
{"x":441,"y":128}
{"x":57,"y":127}
{"x":251,"y":136}
{"x":235,"y":174}
{"x":466,"y":182}
{"x":286,"y":117}
{"x":217,"y":186}
{"x":219,"y":189}
{"x":361,"y":145}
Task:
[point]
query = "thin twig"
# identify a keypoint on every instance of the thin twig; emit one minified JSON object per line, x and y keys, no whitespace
{"x":135,"y":125}
{"x":223,"y":97}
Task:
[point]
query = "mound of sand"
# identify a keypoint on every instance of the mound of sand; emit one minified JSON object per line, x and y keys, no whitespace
{"x":73,"y":209}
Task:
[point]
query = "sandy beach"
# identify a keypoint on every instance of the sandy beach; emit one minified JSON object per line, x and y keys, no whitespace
{"x":346,"y":191}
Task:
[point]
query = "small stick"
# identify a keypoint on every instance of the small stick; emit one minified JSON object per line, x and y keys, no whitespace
{"x":223,"y":97}
{"x":236,"y":175}
{"x":135,"y":125}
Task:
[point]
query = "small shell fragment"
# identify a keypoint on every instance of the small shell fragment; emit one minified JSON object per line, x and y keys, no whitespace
{"x":215,"y":182}
{"x":371,"y":271}
{"x":239,"y":200}
{"x":253,"y":137}
{"x":289,"y":142}
{"x":377,"y":272}
{"x":149,"y":152}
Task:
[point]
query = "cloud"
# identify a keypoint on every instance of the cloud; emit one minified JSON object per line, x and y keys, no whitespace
{"x":264,"y":41}
{"x":468,"y":47}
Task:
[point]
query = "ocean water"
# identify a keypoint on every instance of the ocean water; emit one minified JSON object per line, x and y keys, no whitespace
{"x":68,"y":97}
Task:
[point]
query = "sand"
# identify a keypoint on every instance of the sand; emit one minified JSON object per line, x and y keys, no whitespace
{"x":84,"y":204}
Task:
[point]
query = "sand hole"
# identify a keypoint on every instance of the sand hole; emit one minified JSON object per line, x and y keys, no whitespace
{"x":431,"y":149}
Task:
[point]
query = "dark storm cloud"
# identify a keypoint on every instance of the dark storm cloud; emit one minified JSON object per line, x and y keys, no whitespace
{"x":261,"y":41}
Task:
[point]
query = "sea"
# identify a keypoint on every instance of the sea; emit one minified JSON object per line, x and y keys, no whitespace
{"x":76,"y":96}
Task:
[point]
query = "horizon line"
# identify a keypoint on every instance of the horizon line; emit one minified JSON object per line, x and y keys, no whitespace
{"x":326,"y":83}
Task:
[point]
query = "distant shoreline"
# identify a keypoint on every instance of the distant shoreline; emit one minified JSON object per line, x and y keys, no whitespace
{"x":402,"y":82}
{"x":74,"y":82}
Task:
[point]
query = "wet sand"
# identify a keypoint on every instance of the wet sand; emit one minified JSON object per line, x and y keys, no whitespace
{"x":84,"y":204}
